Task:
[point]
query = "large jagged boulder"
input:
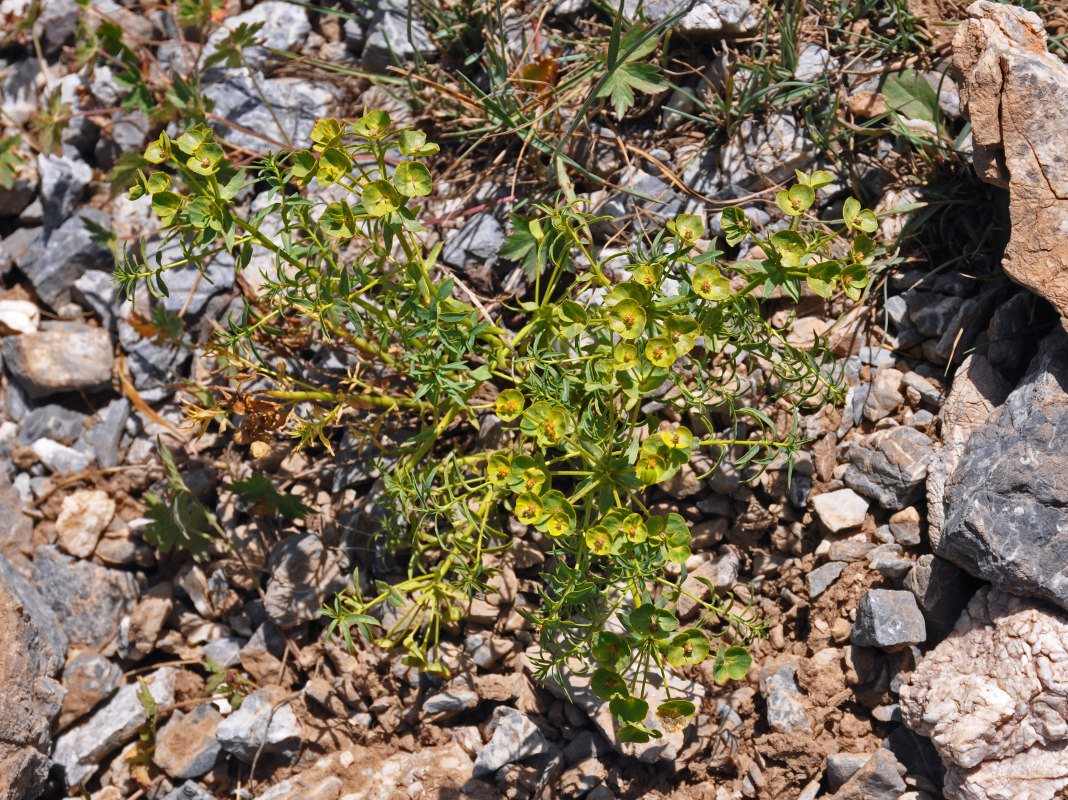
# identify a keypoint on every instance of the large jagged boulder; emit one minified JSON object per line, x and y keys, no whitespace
{"x":992,"y":697}
{"x":1005,"y":505}
{"x":32,"y":649}
{"x":1016,"y":95}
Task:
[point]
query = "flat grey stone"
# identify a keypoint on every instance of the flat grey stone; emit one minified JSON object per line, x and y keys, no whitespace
{"x":822,"y":577}
{"x":254,"y":725}
{"x":888,"y":619}
{"x":890,"y":466}
{"x":186,"y":746}
{"x":515,"y":738}
{"x":785,"y":709}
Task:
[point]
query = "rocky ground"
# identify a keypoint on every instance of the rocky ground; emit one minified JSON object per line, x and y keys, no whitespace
{"x":912,"y":572}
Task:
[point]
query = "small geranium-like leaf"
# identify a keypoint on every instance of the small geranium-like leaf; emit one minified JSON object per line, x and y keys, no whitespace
{"x":509,"y":404}
{"x":660,"y":350}
{"x":635,"y":529}
{"x":160,"y":150}
{"x":205,"y":159}
{"x":529,"y":508}
{"x":338,"y":221}
{"x":680,"y":438}
{"x":610,"y":649}
{"x":498,"y":469}
{"x":203,"y":213}
{"x":627,"y":319}
{"x":373,"y":125}
{"x":731,"y":662}
{"x":625,"y":356}
{"x":412,"y":179}
{"x":599,"y":540}
{"x":687,"y":226}
{"x":709,"y":283}
{"x":608,"y":684}
{"x":379,"y":198}
{"x":736,"y":225}
{"x":796,"y":200}
{"x":629,"y":709}
{"x":648,"y":275}
{"x":304,"y":166}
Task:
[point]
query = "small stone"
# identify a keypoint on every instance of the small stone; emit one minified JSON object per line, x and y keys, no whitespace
{"x":905,"y":526}
{"x":721,"y":572}
{"x":139,"y":631}
{"x":822,"y":577}
{"x":887,"y":713}
{"x":843,"y":766}
{"x":225,"y":651}
{"x":888,"y":619}
{"x":66,"y":357}
{"x":303,"y":573}
{"x":840,"y":510}
{"x":53,"y":268}
{"x":486,"y":651}
{"x":882,"y":397}
{"x":63,"y":180}
{"x":89,"y":600}
{"x":80,"y":750}
{"x":305,"y":788}
{"x":849,"y":551}
{"x":52,"y":421}
{"x":515,"y":738}
{"x":941,"y":590}
{"x":88,"y":678}
{"x":18,"y":316}
{"x":188,"y":791}
{"x":785,"y":709}
{"x":60,"y":459}
{"x":890,"y":466}
{"x":105,"y":431}
{"x":928,"y":392}
{"x":254,"y":726}
{"x":186,"y":746}
{"x":879,"y":779}
{"x":83,"y":517}
{"x":456,"y":697}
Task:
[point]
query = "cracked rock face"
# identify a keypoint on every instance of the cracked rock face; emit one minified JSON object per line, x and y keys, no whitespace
{"x":993,"y":697}
{"x":1016,"y":95}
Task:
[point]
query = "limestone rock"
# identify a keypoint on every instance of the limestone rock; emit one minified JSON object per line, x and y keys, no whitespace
{"x":186,"y":746}
{"x":83,"y":517}
{"x":264,"y":722}
{"x":80,"y":750}
{"x":31,"y":649}
{"x":64,"y":358}
{"x":890,"y":465}
{"x":991,"y":698}
{"x":888,"y":619}
{"x":840,"y":510}
{"x":1016,"y":96}
{"x":1005,"y":503}
{"x":88,"y":678}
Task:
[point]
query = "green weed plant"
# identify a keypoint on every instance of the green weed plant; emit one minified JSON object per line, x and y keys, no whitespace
{"x":580,"y":445}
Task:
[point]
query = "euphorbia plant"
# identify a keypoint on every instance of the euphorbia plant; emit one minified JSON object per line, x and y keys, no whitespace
{"x":579,"y":450}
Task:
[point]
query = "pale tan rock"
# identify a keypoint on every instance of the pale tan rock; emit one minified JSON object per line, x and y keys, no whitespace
{"x":992,"y":697}
{"x":18,"y":316}
{"x":977,"y":390}
{"x":83,"y":518}
{"x":1016,"y":95}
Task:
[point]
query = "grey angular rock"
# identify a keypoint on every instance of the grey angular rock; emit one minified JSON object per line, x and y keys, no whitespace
{"x":888,"y":619}
{"x":822,"y":577}
{"x":515,"y":738}
{"x":941,"y":591}
{"x":890,"y":465}
{"x":843,"y":766}
{"x":188,"y":791}
{"x":932,"y":313}
{"x":88,"y":678}
{"x":813,"y":63}
{"x":785,"y":709}
{"x":284,"y":26}
{"x":304,"y":788}
{"x":991,"y":699}
{"x":388,"y":40}
{"x":458,"y":695}
{"x":879,"y":779}
{"x":303,"y":573}
{"x":647,"y":201}
{"x":63,"y":180}
{"x":882,"y":397}
{"x":88,"y":599}
{"x":1005,"y":518}
{"x":80,"y":750}
{"x":60,"y":459}
{"x":905,"y":526}
{"x":474,"y":248}
{"x":54,"y":267}
{"x":225,"y":651}
{"x":263,"y":723}
{"x":702,"y":18}
{"x":765,"y":153}
{"x":105,"y":431}
{"x":297,"y":104}
{"x":976,"y":391}
{"x":186,"y":746}
{"x":65,"y":357}
{"x":96,"y":291}
{"x":31,"y":650}
{"x":53,"y":421}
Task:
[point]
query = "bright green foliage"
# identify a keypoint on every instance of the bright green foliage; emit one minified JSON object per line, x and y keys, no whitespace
{"x":267,"y":500}
{"x":576,"y":452}
{"x":9,"y":160}
{"x":630,"y":74}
